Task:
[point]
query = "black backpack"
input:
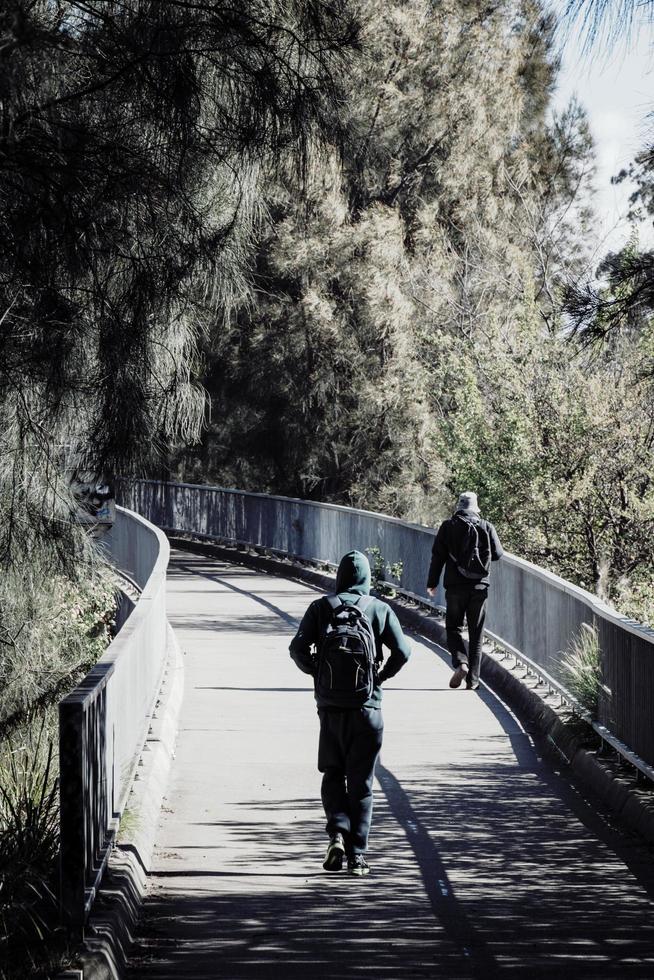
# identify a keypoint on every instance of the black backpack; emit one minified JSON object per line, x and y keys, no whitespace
{"x":473,"y":559}
{"x":347,"y":655}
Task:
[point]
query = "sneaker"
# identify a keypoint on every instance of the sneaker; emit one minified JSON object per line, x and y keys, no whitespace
{"x":472,"y":687}
{"x":458,"y":675}
{"x":357,"y":865}
{"x":335,"y":853}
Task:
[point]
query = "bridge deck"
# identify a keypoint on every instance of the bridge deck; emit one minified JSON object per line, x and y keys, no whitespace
{"x":485,"y":863}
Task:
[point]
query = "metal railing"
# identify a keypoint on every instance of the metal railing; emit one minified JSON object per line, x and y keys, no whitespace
{"x":104,"y":722}
{"x":530,"y":610}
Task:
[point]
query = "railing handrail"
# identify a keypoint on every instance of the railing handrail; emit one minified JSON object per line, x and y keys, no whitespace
{"x":593,"y":601}
{"x":531,"y":608}
{"x":95,"y":775}
{"x":605,"y":735}
{"x":589,"y":598}
{"x":294,"y":500}
{"x":104,"y":667}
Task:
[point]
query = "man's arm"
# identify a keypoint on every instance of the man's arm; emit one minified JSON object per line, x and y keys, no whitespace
{"x":438,"y":559}
{"x":306,"y":638}
{"x":495,"y":545}
{"x":393,"y":637}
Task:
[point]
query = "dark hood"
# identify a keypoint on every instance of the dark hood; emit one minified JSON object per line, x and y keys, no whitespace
{"x":353,"y":573}
{"x":469,"y":515}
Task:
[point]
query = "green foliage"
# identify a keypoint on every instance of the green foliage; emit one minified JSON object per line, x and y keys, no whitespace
{"x":128,"y":202}
{"x":620,"y":303}
{"x":130,"y":823}
{"x":87,"y":612}
{"x":321,"y":395}
{"x":581,"y":667}
{"x":380,"y":569}
{"x":604,"y":22}
{"x":29,"y":851}
{"x":635,"y":596}
{"x":559,"y":448}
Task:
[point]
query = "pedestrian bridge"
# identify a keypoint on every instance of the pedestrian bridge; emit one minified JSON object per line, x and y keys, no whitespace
{"x":486,"y":859}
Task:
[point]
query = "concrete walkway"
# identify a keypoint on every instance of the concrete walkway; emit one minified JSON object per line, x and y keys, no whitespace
{"x":485,"y":863}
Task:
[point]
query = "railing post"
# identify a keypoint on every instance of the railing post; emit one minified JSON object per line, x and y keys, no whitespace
{"x":72,"y":794}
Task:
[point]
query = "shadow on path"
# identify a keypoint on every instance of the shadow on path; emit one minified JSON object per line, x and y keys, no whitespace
{"x":473,"y":876}
{"x":445,"y":905}
{"x":278,"y":915}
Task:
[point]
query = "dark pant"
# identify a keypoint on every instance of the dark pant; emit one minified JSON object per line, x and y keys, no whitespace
{"x":349,"y":744}
{"x":471,"y":605}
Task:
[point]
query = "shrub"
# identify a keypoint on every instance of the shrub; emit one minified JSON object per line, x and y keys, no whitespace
{"x":53,"y":628}
{"x":380,"y":568}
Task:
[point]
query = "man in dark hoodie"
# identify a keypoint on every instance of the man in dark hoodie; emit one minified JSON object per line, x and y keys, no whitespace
{"x":465,"y":596}
{"x":350,"y":738}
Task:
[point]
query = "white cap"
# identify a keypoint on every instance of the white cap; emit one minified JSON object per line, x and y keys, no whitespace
{"x":468,"y":501}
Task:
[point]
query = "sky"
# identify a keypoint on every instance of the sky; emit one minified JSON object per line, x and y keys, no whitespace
{"x":616,"y":85}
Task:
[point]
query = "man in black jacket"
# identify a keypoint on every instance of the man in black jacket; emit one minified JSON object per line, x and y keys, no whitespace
{"x":466,"y":583}
{"x":350,"y":738}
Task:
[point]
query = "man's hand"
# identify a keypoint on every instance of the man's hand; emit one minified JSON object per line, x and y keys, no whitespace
{"x":431,"y":592}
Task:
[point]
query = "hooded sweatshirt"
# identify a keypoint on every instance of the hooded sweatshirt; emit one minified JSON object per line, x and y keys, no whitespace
{"x":352,"y":582}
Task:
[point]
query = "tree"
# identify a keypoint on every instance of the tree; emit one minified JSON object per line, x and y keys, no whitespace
{"x":559,"y":446}
{"x":619,"y":300}
{"x":316,"y":392}
{"x":408,"y":337}
{"x":620,"y":291}
{"x":414,"y":220}
{"x":135,"y":137}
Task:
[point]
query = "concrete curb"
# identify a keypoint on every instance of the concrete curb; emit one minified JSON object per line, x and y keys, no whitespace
{"x":609,"y":781}
{"x":110,"y":930}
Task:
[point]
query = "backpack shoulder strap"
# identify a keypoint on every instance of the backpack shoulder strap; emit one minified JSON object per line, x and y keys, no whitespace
{"x":363,"y":603}
{"x":333,"y":601}
{"x":487,"y":534}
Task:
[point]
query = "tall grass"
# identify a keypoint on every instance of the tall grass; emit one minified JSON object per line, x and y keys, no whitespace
{"x":29,"y":850}
{"x":582,"y":668}
{"x":56,"y":620}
